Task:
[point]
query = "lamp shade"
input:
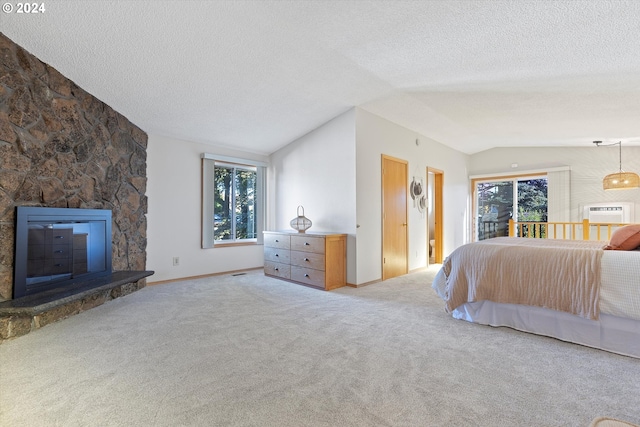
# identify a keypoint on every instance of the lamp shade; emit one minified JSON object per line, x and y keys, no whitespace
{"x":621,"y":181}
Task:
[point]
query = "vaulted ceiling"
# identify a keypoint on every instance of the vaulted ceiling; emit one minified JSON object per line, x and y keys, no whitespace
{"x":255,"y":75}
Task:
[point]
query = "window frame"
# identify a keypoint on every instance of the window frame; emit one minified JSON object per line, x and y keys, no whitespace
{"x":514,"y":178}
{"x":209,"y":162}
{"x":234,"y":168}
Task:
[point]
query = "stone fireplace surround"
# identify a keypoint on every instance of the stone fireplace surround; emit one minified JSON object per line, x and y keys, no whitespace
{"x":62,"y":147}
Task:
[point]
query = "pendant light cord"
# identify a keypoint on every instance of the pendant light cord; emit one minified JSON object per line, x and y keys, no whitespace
{"x":619,"y":144}
{"x":620,"y":151}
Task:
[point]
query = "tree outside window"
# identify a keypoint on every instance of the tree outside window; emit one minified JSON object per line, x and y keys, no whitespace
{"x":234,"y":212}
{"x":522,"y":198}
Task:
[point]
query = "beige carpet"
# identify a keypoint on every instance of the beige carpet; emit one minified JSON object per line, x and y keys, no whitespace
{"x":254,"y":351}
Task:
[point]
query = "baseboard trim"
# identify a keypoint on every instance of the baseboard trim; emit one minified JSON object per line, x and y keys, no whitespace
{"x":416,"y":270}
{"x":202,"y":276}
{"x":222,"y":273}
{"x":360,"y":285}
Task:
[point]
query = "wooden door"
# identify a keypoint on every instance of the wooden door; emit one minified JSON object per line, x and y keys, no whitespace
{"x":394,"y":217}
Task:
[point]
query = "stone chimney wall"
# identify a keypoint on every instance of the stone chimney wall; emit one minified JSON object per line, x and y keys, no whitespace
{"x":62,"y":147}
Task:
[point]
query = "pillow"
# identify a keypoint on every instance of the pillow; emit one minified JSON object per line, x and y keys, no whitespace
{"x":626,"y":238}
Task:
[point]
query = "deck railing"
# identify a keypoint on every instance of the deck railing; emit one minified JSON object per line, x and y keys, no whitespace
{"x":489,"y":229}
{"x":583,"y":230}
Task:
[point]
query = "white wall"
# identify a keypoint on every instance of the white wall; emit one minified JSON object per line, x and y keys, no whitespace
{"x":335,"y":173}
{"x":588,"y":165}
{"x":317,"y":171}
{"x":173,"y":219}
{"x":376,"y":136}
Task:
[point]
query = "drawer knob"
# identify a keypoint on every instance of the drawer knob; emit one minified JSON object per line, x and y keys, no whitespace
{"x":59,"y":237}
{"x":306,"y":243}
{"x":306,"y":275}
{"x":277,"y":254}
{"x":306,"y":259}
{"x":276,"y":269}
{"x":277,"y":240}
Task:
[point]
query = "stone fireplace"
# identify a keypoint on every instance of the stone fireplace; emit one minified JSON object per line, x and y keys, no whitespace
{"x":61,"y":147}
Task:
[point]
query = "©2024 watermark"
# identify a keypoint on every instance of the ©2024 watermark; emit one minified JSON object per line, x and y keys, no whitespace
{"x":24,"y":8}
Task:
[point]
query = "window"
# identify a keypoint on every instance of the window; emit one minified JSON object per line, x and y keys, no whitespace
{"x":234,"y":214}
{"x":497,"y":200}
{"x":233,"y":201}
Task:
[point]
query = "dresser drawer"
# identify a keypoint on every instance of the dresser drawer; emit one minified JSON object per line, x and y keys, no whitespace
{"x":277,"y":255}
{"x":277,"y":269}
{"x":60,"y":251}
{"x":307,"y":244}
{"x":307,"y":260}
{"x":280,"y":241}
{"x":37,"y":236}
{"x":308,"y":276}
{"x":37,"y":251}
{"x":62,"y":266}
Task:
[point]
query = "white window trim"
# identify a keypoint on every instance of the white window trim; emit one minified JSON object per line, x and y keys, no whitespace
{"x":208,"y":163}
{"x":558,"y":189}
{"x":235,"y":160}
{"x":518,"y":172}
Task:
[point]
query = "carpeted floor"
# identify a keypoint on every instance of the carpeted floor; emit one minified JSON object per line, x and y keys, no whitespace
{"x":254,"y":351}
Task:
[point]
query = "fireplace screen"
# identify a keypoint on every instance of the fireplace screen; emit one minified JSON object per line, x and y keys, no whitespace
{"x":57,"y":246}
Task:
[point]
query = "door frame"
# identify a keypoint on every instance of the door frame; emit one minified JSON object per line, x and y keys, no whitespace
{"x":438,"y":190}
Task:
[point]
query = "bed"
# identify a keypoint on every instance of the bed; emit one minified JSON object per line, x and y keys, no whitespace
{"x":568,"y":289}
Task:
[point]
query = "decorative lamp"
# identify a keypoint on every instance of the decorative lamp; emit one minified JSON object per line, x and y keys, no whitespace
{"x":619,"y":180}
{"x":301,"y":222}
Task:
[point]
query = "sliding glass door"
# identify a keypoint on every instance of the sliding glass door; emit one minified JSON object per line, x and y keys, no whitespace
{"x":495,"y":207}
{"x":498,"y":200}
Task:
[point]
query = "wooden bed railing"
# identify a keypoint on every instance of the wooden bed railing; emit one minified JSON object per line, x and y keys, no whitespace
{"x":583,"y":230}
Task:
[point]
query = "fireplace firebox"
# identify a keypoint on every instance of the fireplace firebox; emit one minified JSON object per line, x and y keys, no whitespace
{"x":56,"y":247}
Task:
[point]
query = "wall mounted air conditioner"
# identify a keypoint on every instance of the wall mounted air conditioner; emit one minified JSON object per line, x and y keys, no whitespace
{"x":609,"y":212}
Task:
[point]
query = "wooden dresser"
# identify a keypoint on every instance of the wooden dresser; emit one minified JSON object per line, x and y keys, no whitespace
{"x":314,"y":259}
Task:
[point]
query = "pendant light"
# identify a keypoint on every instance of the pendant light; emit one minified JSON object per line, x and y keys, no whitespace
{"x":619,"y":180}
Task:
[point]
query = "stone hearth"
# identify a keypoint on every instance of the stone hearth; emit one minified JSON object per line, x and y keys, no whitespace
{"x":22,"y":315}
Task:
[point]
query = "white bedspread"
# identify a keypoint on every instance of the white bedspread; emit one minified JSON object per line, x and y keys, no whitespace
{"x":619,"y":289}
{"x":620,"y":286}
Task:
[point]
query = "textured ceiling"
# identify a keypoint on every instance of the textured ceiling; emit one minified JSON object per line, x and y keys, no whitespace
{"x":256,"y":75}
